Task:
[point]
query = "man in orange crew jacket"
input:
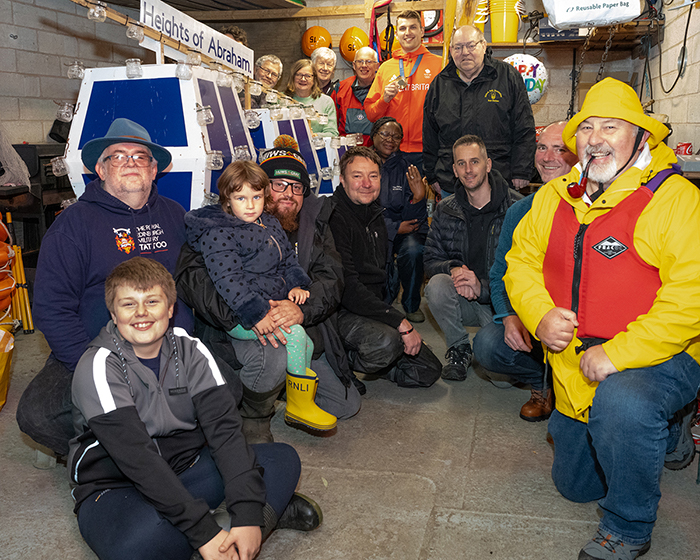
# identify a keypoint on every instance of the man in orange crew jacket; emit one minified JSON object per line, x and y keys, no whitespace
{"x":401,"y":84}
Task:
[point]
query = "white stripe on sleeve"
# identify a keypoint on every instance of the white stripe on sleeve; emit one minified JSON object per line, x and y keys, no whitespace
{"x":179,"y":331}
{"x":99,"y":377}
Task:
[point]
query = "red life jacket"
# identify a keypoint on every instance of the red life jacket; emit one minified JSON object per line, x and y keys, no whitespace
{"x":594,"y":269}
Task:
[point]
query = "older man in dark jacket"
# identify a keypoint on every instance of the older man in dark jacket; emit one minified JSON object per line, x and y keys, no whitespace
{"x":476,"y":94}
{"x":461,"y":248}
{"x":262,"y":363}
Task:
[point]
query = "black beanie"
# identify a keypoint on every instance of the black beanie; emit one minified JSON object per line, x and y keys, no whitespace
{"x":285,"y":163}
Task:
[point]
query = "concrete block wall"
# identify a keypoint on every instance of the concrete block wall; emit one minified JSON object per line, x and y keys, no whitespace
{"x":38,"y":38}
{"x":682,"y":103}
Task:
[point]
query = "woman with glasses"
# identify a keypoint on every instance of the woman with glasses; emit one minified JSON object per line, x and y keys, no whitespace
{"x":303,"y":87}
{"x":403,"y":196}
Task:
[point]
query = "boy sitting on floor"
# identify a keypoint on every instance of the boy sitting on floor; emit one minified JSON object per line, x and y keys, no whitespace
{"x":158,"y":440}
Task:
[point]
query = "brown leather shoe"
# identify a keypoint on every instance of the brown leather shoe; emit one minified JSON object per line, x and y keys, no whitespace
{"x":538,"y":408}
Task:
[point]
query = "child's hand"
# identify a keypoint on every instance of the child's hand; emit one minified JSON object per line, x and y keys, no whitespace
{"x":265,"y":325}
{"x":298,"y":296}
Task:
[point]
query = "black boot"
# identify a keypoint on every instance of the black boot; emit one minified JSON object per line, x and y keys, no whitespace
{"x":257,"y":409}
{"x":301,"y":514}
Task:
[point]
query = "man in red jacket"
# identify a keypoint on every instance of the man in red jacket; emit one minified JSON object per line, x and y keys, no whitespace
{"x":351,"y":94}
{"x":401,"y":85}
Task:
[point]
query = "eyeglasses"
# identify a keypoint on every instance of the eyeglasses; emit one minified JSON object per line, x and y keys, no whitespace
{"x":270,"y":73}
{"x":469,"y":47}
{"x":364,"y":62}
{"x":120,"y":160}
{"x":323,"y":64}
{"x":304,"y":76}
{"x":282,"y":186}
{"x":388,"y":135}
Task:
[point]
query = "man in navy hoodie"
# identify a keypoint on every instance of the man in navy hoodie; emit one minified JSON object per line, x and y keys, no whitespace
{"x":120,"y":215}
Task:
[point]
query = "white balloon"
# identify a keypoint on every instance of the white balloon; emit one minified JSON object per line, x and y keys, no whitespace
{"x":533,"y":72}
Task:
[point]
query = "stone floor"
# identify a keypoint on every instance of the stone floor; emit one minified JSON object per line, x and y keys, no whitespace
{"x":442,"y":473}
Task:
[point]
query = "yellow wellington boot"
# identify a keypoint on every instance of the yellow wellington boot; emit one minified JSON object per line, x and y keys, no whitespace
{"x":302,"y":411}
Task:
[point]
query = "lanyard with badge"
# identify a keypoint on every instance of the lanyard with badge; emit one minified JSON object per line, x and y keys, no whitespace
{"x":402,"y":82}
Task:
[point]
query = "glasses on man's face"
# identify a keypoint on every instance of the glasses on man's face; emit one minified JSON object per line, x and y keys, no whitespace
{"x":324,"y":64}
{"x":304,"y":76}
{"x":469,"y":47}
{"x":120,"y":160}
{"x":271,"y":73}
{"x":364,"y":62}
{"x":388,"y":135}
{"x":282,"y":186}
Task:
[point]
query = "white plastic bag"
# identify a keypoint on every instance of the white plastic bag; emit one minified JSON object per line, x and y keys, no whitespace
{"x":565,"y":14}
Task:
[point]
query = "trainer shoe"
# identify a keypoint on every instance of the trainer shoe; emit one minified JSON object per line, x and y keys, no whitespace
{"x":459,"y":358}
{"x":684,"y":452}
{"x":605,"y":547}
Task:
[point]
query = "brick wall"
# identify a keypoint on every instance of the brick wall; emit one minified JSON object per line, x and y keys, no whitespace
{"x":682,"y":104}
{"x":37,"y":39}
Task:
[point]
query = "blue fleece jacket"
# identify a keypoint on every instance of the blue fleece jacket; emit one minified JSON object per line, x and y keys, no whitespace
{"x":397,"y":199}
{"x":499,"y":297}
{"x":249,"y":264}
{"x":80,"y":249}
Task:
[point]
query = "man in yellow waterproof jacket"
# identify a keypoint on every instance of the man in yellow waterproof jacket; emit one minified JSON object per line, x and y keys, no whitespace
{"x":604,"y":271}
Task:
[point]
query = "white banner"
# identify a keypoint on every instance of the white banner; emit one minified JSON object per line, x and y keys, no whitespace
{"x":202,"y":38}
{"x":565,"y":14}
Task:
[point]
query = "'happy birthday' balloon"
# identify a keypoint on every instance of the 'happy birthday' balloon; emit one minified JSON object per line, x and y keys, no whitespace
{"x":534,"y":74}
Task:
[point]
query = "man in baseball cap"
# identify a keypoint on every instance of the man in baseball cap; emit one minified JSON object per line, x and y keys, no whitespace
{"x":603,"y":271}
{"x":120,"y":215}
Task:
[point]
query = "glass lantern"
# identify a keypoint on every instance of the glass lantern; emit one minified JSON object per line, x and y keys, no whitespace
{"x":335,"y":142}
{"x":255,"y":88}
{"x":65,"y":112}
{"x":133,"y":68}
{"x":183,"y":71}
{"x":323,"y":119}
{"x":318,"y":142}
{"x":252,"y":120}
{"x":326,"y":173}
{"x":276,"y":114}
{"x":204,"y":115}
{"x":215,"y":160}
{"x":98,"y":12}
{"x":59,"y":167}
{"x":134,"y":31}
{"x":238,"y":82}
{"x":242,"y":153}
{"x":224,"y":78}
{"x":296,"y":112}
{"x":76,"y":70}
{"x":271,"y":97}
{"x":194,"y":58}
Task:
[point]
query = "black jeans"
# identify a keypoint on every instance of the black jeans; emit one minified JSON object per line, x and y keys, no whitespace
{"x":375,"y":347}
{"x":44,"y":409}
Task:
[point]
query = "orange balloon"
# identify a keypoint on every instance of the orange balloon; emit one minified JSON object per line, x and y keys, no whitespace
{"x":352,"y":40}
{"x":315,"y":37}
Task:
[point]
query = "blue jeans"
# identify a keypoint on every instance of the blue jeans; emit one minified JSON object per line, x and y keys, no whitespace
{"x":454,"y":312}
{"x":618,"y":456}
{"x":408,"y":249}
{"x":492,"y":352}
{"x":120,"y":523}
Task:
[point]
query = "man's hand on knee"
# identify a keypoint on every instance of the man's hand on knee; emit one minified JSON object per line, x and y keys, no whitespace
{"x":411,"y":338}
{"x":516,"y":336}
{"x":596,"y":365}
{"x":556,"y":329}
{"x":285,"y":313}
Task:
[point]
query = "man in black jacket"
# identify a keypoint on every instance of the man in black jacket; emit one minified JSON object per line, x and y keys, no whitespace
{"x":263,"y":363}
{"x":475,"y":94}
{"x":460,"y":250}
{"x":378,"y":337}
